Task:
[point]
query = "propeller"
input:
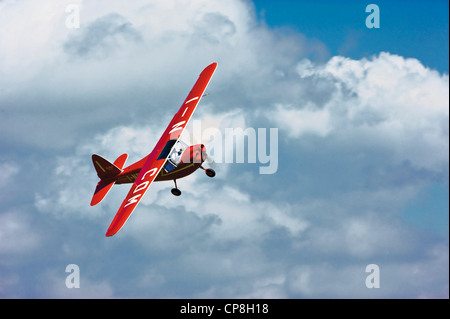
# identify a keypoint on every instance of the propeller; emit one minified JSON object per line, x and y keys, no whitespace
{"x":205,"y":157}
{"x":210,"y":161}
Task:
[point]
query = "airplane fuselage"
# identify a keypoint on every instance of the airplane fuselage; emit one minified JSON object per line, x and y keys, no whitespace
{"x":191,"y":160}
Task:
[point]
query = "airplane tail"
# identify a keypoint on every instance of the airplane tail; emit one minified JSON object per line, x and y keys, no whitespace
{"x":107,"y":172}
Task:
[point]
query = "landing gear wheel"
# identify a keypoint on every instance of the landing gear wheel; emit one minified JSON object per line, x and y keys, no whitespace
{"x":210,"y":172}
{"x":176,"y":191}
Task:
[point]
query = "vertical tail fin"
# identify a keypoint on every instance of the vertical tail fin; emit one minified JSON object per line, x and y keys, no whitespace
{"x":105,"y":169}
{"x":107,"y":172}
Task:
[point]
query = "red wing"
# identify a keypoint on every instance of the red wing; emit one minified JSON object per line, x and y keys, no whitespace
{"x":146,"y":176}
{"x":153,"y":165}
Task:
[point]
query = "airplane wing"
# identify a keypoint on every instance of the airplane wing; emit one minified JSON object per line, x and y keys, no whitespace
{"x":154,"y":161}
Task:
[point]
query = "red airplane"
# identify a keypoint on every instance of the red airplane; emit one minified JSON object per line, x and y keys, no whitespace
{"x":171,"y":159}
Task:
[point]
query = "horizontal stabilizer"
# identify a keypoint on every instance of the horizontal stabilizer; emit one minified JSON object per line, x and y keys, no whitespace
{"x":100,"y":192}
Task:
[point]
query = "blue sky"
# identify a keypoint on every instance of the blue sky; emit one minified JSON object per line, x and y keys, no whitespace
{"x":362,"y":148}
{"x":415,"y":28}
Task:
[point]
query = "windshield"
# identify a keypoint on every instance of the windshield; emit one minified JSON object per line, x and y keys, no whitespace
{"x":170,"y":147}
{"x":177,"y":150}
{"x":172,"y":151}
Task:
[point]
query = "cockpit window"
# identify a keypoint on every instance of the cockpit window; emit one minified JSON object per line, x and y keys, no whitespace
{"x":165,"y":152}
{"x":177,"y":150}
{"x":172,"y":151}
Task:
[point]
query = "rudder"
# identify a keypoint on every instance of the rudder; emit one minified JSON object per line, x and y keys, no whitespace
{"x":105,"y":169}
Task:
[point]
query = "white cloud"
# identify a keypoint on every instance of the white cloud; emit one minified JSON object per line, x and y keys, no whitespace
{"x":297,"y":122}
{"x":387,"y":101}
{"x":129,"y":82}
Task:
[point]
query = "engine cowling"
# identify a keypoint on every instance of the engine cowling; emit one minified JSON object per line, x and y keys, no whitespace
{"x":194,"y":154}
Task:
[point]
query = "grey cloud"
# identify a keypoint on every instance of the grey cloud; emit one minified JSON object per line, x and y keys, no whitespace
{"x":214,"y":28}
{"x":102,"y":37}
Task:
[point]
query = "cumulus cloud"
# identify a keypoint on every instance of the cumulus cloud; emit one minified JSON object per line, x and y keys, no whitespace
{"x":299,"y":121}
{"x":102,"y":37}
{"x":388,"y":101}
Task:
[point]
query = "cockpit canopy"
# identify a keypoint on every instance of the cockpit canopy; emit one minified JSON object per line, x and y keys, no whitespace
{"x":172,"y":151}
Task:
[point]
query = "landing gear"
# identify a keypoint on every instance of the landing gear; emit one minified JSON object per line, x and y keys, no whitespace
{"x":210,"y":172}
{"x":175,"y":191}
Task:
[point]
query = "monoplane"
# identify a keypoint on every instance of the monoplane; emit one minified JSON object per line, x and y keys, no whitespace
{"x":171,"y":159}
